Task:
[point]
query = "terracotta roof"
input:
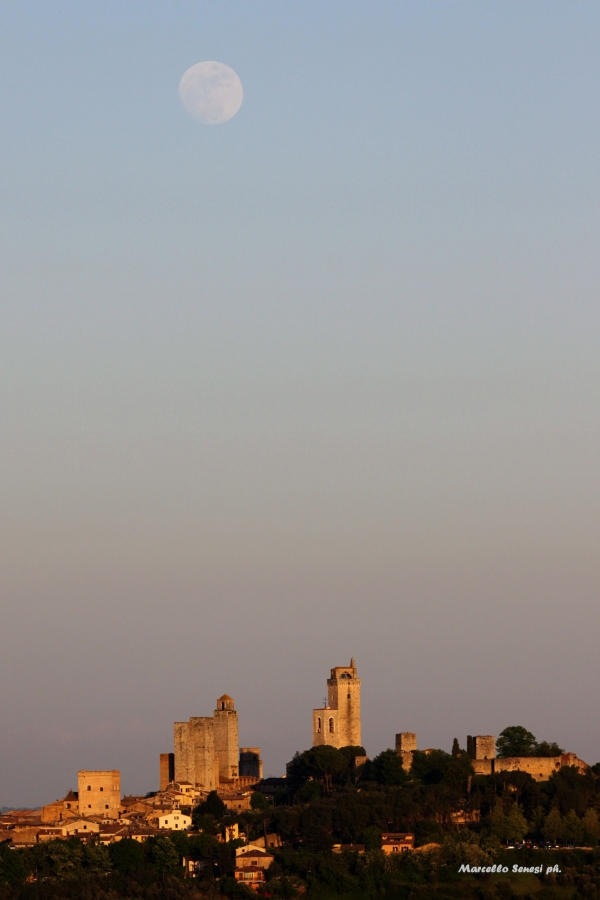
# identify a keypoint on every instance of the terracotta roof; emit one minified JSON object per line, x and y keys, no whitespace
{"x":225,"y":697}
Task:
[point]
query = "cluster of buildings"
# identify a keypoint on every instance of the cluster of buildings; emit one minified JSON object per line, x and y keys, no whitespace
{"x":206,"y":757}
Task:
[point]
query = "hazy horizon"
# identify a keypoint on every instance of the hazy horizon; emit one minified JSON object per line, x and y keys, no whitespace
{"x":318,"y":382}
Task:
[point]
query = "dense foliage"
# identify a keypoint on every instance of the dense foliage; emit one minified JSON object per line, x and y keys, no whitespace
{"x":517,"y":741}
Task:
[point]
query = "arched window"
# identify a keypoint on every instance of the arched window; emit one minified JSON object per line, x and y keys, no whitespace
{"x":331,"y":726}
{"x":318,"y":724}
{"x":89,"y":787}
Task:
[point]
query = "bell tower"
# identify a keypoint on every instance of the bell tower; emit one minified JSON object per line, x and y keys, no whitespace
{"x":338,"y":723}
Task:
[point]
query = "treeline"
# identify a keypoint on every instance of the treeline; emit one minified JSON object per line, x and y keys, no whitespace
{"x":127,"y":868}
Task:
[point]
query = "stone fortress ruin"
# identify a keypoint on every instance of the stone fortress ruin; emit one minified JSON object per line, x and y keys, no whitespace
{"x":487,"y":763}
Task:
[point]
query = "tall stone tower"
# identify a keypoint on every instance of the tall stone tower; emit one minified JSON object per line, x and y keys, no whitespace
{"x":195,"y":759}
{"x":226,"y":738}
{"x":338,"y":723}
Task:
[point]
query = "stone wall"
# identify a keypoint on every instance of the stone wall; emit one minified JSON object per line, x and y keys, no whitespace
{"x":539,"y":767}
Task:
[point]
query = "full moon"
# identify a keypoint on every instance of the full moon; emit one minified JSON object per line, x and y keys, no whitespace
{"x":211,"y":92}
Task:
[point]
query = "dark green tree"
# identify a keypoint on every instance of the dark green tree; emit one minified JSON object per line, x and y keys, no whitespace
{"x":212,"y":806}
{"x":126,"y":855}
{"x":258,"y":802}
{"x":537,"y":821}
{"x":310,"y":791}
{"x":591,"y":827}
{"x":370,"y":837}
{"x":456,"y":751}
{"x":470,"y":746}
{"x":546,"y":749}
{"x":385,"y":769}
{"x":12,"y":867}
{"x":552,"y":828}
{"x":327,"y":762}
{"x":516,"y":824}
{"x":515,"y":741}
{"x":96,"y":859}
{"x":66,"y":858}
{"x":203,"y":822}
{"x":203,"y":845}
{"x":163,"y":855}
{"x":438,"y":767}
{"x":573,"y":829}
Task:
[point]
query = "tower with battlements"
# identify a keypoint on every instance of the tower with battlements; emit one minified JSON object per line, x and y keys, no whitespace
{"x":338,"y":723}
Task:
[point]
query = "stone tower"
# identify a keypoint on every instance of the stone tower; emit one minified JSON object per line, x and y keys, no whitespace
{"x":406,"y":744}
{"x":167,"y":770}
{"x":485,"y":746}
{"x":338,"y":723}
{"x":195,"y":759}
{"x":99,"y":793}
{"x":250,"y":762}
{"x":226,"y":738}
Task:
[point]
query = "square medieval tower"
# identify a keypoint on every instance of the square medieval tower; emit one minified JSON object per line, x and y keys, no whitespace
{"x":338,"y":723}
{"x":226,"y":738}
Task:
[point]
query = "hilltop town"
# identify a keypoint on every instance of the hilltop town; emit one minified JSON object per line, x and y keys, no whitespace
{"x":211,"y":789}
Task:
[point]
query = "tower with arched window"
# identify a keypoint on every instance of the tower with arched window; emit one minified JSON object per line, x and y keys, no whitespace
{"x":338,"y":723}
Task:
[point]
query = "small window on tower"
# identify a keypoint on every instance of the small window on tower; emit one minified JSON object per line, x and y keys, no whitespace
{"x":331,"y":726}
{"x":89,"y":787}
{"x":319,"y":725}
{"x":106,"y":806}
{"x":348,"y":696}
{"x":103,"y":788}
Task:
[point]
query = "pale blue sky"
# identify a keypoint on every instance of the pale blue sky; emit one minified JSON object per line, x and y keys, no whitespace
{"x":318,"y":382}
